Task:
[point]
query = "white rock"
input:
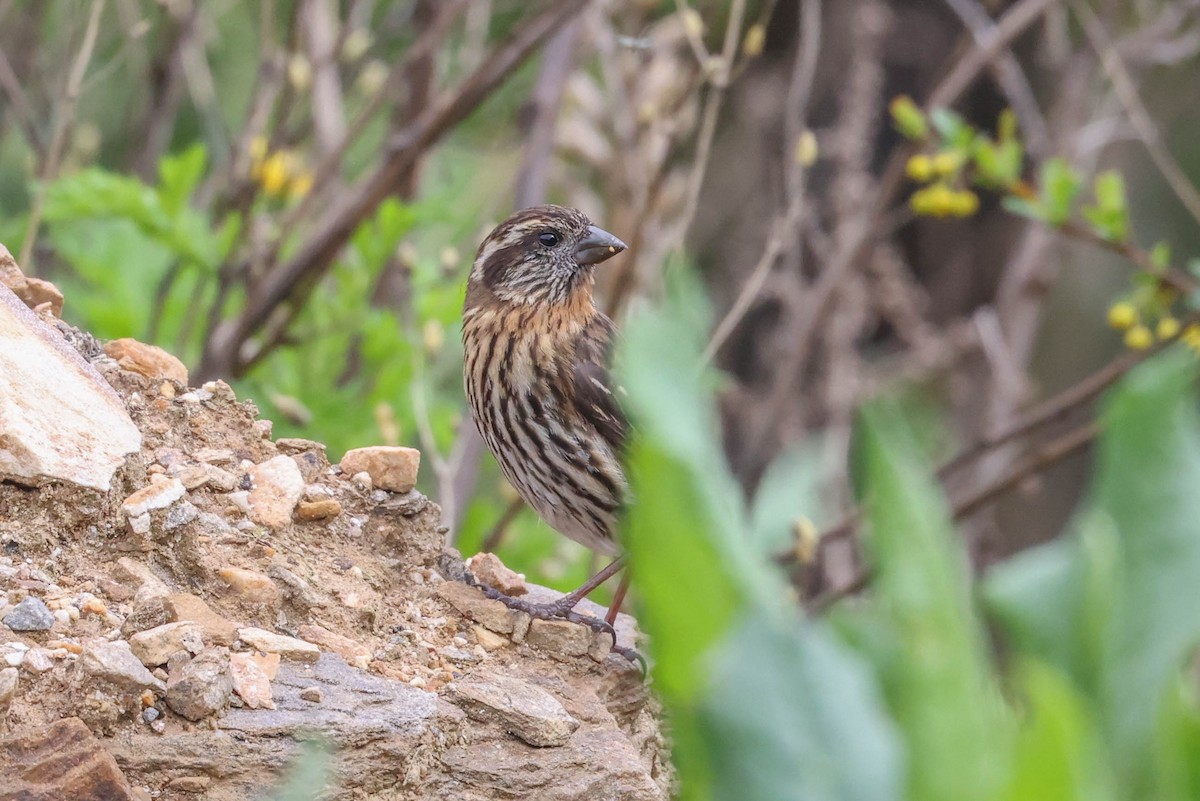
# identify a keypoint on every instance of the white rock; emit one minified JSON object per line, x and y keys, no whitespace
{"x":278,"y":487}
{"x":58,"y":418}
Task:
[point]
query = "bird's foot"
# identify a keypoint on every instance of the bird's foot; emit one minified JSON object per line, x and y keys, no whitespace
{"x":562,"y":609}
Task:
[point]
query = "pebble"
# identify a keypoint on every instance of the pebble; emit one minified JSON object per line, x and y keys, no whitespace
{"x":153,"y":647}
{"x":150,"y":361}
{"x":200,"y":686}
{"x":158,"y":495}
{"x":318,"y":510}
{"x":312,"y":694}
{"x":185,"y":606}
{"x":288,"y":648}
{"x":278,"y":487}
{"x":114,"y":663}
{"x":30,"y":614}
{"x":252,"y":586}
{"x":150,"y":714}
{"x":37,"y":660}
{"x":354,"y":652}
{"x":390,"y":468}
{"x":488,"y":568}
{"x":250,"y":681}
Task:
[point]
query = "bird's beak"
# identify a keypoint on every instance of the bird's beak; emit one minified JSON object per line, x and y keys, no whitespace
{"x":597,"y":246}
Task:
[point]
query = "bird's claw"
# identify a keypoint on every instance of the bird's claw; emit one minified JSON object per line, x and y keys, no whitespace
{"x":562,"y":609}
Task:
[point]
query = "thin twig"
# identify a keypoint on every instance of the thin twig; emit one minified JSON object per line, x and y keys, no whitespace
{"x":223,"y":345}
{"x":64,"y":116}
{"x":1047,"y":456}
{"x":1008,"y":74}
{"x":786,"y":226}
{"x":1127,"y":94}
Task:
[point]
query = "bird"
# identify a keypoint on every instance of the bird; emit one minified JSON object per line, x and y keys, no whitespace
{"x":537,"y":354}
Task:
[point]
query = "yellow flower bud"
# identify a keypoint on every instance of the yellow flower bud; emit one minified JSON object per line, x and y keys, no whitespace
{"x":300,"y":185}
{"x":1167,"y":328}
{"x":806,"y":149}
{"x":947,"y":162}
{"x":274,"y":173}
{"x":1122,"y":315}
{"x":1138,"y":338}
{"x":965,"y":203}
{"x":919,"y":168}
{"x":756,"y":36}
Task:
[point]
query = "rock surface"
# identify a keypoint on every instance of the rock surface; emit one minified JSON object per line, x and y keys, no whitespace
{"x":58,"y":418}
{"x":60,"y":761}
{"x":148,"y":360}
{"x":527,"y":711}
{"x":29,"y":615}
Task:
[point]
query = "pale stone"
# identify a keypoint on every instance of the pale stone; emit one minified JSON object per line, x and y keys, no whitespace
{"x":488,"y":568}
{"x":529,"y":712}
{"x":250,"y":681}
{"x":58,"y":418}
{"x":278,"y":486}
{"x":323,"y":509}
{"x":150,"y":361}
{"x":561,"y":637}
{"x":255,"y":587}
{"x":114,"y":662}
{"x":184,"y":606}
{"x":288,"y":648}
{"x":200,"y":687}
{"x":158,"y":495}
{"x":352,"y":651}
{"x":33,"y":292}
{"x":390,"y":468}
{"x":37,"y":660}
{"x":490,"y":640}
{"x":472,"y":603}
{"x":153,"y":647}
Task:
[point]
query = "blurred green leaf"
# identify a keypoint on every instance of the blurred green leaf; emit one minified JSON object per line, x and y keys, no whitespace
{"x":307,"y":777}
{"x":1109,"y":216}
{"x":1177,"y":755}
{"x":1160,"y":255}
{"x":792,"y":716}
{"x":954,"y":130}
{"x":1060,"y":184}
{"x":788,"y":490}
{"x":940,"y":686}
{"x":1147,"y":472}
{"x":1058,"y":754}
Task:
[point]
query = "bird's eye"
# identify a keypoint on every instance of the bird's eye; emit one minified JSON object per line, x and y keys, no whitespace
{"x":548,"y":238}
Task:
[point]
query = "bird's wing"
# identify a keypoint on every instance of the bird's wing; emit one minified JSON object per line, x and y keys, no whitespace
{"x":593,"y":385}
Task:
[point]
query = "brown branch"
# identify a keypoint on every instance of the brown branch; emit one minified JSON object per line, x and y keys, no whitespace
{"x":221,"y":357}
{"x":1048,"y":455}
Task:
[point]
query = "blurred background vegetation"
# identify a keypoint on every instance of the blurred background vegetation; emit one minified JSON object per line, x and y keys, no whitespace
{"x":288,"y":196}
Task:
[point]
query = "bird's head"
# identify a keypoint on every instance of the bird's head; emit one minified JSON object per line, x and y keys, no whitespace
{"x":539,"y":256}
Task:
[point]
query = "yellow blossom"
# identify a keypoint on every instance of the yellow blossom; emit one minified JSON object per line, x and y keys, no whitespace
{"x":1122,"y":315}
{"x":274,"y":173}
{"x":1168,"y":328}
{"x":806,"y":149}
{"x":301,"y":184}
{"x":965,"y":203}
{"x":947,"y":162}
{"x":756,"y":36}
{"x":919,"y":168}
{"x":1139,"y":338}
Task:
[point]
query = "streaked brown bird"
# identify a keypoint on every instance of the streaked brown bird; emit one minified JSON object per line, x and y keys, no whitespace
{"x":537,"y":378}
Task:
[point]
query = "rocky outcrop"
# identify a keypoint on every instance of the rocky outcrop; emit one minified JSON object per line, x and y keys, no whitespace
{"x":229,"y":597}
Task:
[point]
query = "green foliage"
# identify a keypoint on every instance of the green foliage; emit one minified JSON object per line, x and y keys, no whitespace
{"x":1110,"y":214}
{"x":902,"y":697}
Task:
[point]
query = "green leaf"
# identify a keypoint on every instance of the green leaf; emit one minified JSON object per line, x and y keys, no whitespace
{"x":908,"y":118}
{"x":1058,"y":754}
{"x":1060,"y":184}
{"x":793,"y":717}
{"x":1147,"y":472}
{"x":1177,"y":752}
{"x":939,"y":684}
{"x":1109,"y":216}
{"x":178,"y":176}
{"x":1024,"y":208}
{"x":953,"y":129}
{"x":788,"y":491}
{"x":1160,"y":256}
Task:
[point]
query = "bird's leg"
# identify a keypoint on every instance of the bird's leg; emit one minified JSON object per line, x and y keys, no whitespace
{"x":564,"y":607}
{"x":614,"y":608}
